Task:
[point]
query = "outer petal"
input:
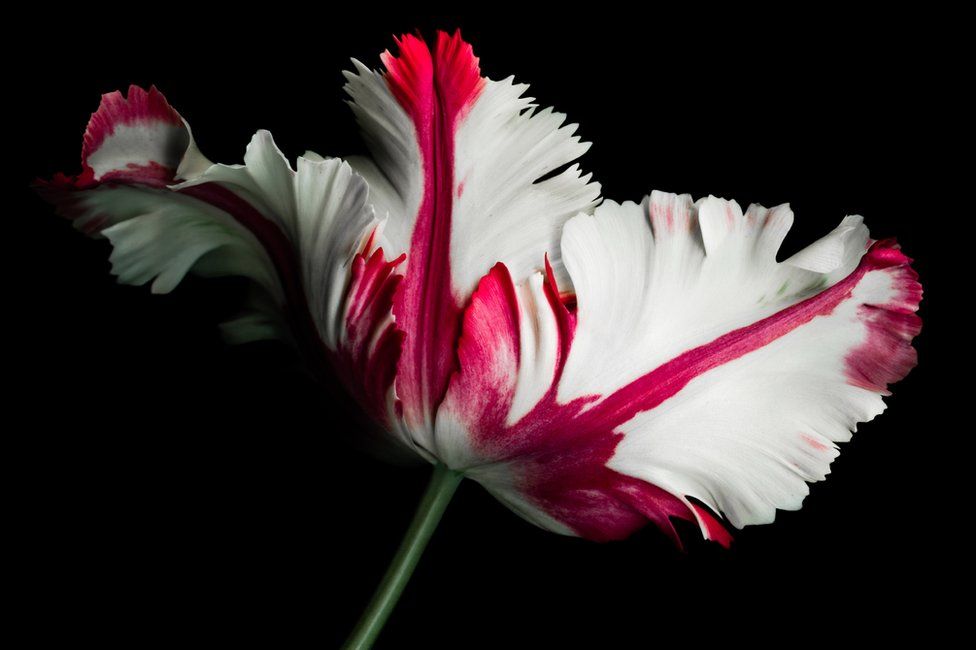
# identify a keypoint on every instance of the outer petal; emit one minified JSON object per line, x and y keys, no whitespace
{"x":457,"y":160}
{"x":720,"y":374}
{"x":297,"y":233}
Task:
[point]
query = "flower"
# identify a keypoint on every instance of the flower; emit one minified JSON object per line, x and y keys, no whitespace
{"x":595,"y":366}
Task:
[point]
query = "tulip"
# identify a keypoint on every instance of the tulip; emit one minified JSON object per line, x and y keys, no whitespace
{"x":594,"y":365}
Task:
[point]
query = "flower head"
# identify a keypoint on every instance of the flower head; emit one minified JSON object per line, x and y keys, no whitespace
{"x":595,"y":368}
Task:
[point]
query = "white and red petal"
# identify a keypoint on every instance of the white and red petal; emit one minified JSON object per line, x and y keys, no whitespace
{"x":695,"y":368}
{"x":458,"y":163}
{"x":301,"y":234}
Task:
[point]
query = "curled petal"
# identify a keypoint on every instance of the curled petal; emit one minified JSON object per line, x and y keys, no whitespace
{"x":297,"y":233}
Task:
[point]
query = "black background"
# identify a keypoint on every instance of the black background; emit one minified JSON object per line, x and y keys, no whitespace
{"x":173,"y":488}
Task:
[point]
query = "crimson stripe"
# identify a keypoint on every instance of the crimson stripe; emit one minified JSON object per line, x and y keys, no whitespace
{"x":435,"y":91}
{"x":662,"y":383}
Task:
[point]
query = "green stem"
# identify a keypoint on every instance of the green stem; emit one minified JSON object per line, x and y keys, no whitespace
{"x":441,"y":488}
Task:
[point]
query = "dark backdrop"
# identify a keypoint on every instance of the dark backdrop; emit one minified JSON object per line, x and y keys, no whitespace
{"x":174,"y":488}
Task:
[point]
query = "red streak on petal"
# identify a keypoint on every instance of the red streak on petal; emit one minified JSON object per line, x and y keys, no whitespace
{"x":436,"y":91}
{"x":813,"y":442}
{"x":565,"y":318}
{"x":152,"y":174}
